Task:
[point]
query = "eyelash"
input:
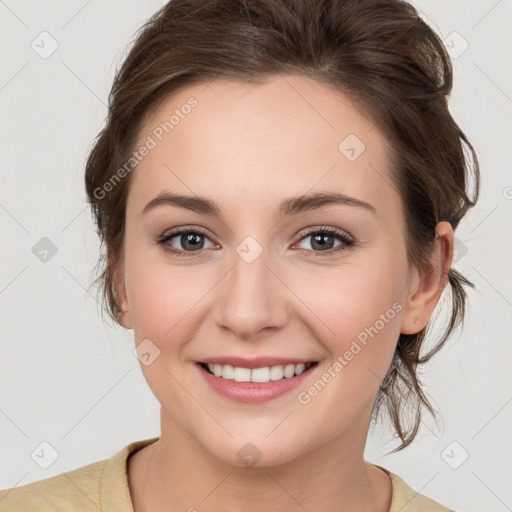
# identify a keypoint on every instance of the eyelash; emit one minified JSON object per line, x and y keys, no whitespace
{"x":347,"y":241}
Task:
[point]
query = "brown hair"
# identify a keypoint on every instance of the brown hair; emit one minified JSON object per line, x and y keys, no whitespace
{"x":379,"y":53}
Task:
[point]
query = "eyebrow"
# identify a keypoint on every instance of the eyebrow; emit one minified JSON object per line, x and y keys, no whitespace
{"x":291,"y":206}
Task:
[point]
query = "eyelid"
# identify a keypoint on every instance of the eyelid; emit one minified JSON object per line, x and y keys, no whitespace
{"x":174,"y":232}
{"x":324,"y":229}
{"x":171,"y":233}
{"x":346,"y":238}
{"x":185,"y":229}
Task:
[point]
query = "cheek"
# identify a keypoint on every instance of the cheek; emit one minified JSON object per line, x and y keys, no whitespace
{"x":161,"y":294}
{"x":352,"y":297}
{"x":358,"y":309}
{"x":162,"y":301}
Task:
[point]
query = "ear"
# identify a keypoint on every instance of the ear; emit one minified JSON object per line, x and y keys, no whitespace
{"x":122,"y":300}
{"x":426,"y":285}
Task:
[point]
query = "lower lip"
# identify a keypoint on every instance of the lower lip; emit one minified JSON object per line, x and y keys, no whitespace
{"x":253,"y":392}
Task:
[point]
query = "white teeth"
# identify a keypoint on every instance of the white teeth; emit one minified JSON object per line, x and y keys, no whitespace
{"x":260,"y":374}
{"x":228,"y":372}
{"x":276,"y":373}
{"x":289,"y":370}
{"x":300,"y":368}
{"x":265,"y":374}
{"x":242,"y":374}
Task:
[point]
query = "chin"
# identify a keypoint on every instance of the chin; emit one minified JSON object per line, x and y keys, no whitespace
{"x":244,"y":453}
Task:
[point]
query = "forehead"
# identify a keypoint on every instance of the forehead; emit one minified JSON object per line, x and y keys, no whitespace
{"x":262,"y":142}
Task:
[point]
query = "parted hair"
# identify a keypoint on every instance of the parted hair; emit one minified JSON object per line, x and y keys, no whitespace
{"x":380,"y":54}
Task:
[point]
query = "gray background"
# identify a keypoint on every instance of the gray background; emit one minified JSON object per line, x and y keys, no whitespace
{"x":69,"y":380}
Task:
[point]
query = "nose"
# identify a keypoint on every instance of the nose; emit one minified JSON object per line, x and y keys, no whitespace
{"x":252,"y":298}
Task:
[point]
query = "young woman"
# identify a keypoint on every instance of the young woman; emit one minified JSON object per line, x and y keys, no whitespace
{"x":277,"y":188}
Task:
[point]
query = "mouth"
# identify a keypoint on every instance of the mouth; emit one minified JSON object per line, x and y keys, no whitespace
{"x":257,"y":375}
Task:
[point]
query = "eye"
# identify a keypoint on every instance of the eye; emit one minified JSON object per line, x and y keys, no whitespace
{"x":189,"y":241}
{"x":323,"y":241}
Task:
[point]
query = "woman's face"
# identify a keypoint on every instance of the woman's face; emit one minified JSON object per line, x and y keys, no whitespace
{"x":254,"y":277}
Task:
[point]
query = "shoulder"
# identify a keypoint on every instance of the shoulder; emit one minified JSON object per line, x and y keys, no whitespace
{"x":73,"y":490}
{"x":406,"y":499}
{"x":102,"y":485}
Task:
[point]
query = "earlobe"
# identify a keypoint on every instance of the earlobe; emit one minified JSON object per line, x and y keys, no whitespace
{"x":122,"y":300}
{"x":125,"y":319}
{"x":427,"y":286}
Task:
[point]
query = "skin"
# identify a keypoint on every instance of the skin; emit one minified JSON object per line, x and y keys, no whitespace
{"x":247,"y":148}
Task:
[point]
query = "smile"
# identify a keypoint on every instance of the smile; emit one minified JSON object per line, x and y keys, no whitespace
{"x":256,"y":384}
{"x":259,"y":375}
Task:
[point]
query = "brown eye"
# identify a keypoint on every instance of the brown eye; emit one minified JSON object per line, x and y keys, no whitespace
{"x":323,"y":240}
{"x":184,"y":240}
{"x":190,"y":241}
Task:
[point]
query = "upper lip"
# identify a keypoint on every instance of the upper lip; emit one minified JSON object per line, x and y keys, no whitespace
{"x":256,"y":362}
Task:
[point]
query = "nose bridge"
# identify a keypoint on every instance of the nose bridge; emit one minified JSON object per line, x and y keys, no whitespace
{"x":253,"y":298}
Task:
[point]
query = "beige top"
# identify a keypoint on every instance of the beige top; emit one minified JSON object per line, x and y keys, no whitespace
{"x":103,"y":486}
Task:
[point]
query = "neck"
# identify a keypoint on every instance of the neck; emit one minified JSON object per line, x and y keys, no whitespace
{"x":177,"y":473}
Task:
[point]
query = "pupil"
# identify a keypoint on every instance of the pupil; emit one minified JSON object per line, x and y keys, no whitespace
{"x":190,"y":238}
{"x":316,"y":239}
